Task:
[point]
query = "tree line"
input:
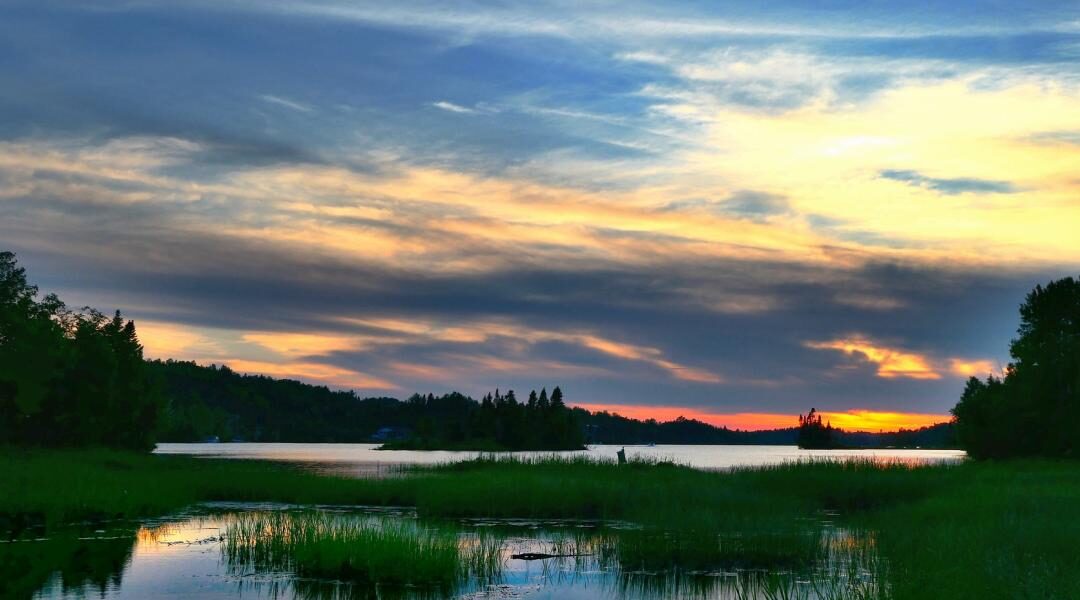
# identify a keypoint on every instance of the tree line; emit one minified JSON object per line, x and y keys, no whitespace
{"x":70,"y":377}
{"x":498,"y":422}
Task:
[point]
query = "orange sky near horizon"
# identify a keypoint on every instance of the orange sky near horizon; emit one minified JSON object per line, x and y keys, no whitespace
{"x":850,"y":420}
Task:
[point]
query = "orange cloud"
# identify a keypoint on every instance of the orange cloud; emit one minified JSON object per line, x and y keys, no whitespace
{"x":891,"y":362}
{"x":317,"y":372}
{"x":480,"y":332}
{"x":303,"y":344}
{"x":851,"y":420}
{"x":169,"y":340}
{"x":971,"y":368}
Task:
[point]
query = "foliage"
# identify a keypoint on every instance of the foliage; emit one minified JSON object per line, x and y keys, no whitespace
{"x":815,"y":434}
{"x":497,"y":422}
{"x":215,"y":401}
{"x":1034,"y":408}
{"x":69,"y":378}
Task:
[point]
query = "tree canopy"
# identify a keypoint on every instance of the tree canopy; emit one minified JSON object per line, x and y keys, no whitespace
{"x":814,"y":434}
{"x":69,"y":377}
{"x":1033,"y":408}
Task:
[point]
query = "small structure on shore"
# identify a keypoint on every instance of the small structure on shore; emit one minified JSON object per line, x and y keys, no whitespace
{"x":391,"y":434}
{"x":622,"y":456}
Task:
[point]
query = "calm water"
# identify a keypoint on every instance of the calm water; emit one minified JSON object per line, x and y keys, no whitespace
{"x":186,"y":557}
{"x":363,"y":459}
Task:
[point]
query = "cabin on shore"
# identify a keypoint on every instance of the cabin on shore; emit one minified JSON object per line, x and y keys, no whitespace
{"x":391,"y":434}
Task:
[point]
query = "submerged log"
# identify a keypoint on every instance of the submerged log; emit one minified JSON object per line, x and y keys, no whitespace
{"x":542,"y":555}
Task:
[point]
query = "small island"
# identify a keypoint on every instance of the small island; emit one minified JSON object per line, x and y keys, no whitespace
{"x":497,"y":423}
{"x":816,"y":435}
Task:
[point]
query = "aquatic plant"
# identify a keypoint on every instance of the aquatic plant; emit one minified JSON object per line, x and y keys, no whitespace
{"x":358,"y":548}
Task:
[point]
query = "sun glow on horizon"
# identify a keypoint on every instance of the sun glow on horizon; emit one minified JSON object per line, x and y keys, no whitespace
{"x":850,"y":420}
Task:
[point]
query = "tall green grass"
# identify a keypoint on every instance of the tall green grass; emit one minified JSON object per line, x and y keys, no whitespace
{"x":49,"y":487}
{"x":356,"y":549}
{"x":972,"y":530}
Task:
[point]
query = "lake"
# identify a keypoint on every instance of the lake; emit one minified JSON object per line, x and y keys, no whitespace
{"x":365,"y":460}
{"x":203,"y":554}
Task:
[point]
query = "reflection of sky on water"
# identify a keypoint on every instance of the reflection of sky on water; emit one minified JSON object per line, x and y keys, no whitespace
{"x":365,"y":460}
{"x":183,"y":558}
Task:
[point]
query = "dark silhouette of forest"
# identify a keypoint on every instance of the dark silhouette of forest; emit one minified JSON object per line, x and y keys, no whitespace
{"x":497,"y":422}
{"x":813,"y":434}
{"x":1033,"y":408}
{"x":78,"y":378}
{"x":215,"y":402}
{"x":70,"y":377}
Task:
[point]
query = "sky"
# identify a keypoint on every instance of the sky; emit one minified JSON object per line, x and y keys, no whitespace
{"x":729,"y":211}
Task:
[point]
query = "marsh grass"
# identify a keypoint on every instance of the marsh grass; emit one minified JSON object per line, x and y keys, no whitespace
{"x":51,"y":487}
{"x":971,"y":530}
{"x":358,"y":549}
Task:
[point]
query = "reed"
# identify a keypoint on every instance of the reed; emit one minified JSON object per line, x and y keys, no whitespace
{"x":358,"y":549}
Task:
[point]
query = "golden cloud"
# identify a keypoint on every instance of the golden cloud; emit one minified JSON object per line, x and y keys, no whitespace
{"x":890,"y":362}
{"x":296,"y":345}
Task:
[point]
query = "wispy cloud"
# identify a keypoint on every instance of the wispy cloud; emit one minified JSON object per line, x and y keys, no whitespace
{"x":951,"y":186}
{"x":287,"y":103}
{"x":454,"y":108}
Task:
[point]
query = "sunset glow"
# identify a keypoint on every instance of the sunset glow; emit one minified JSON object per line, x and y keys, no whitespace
{"x":702,"y":209}
{"x":851,"y":420}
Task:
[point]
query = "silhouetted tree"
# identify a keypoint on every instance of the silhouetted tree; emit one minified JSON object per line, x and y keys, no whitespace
{"x":813,"y":433}
{"x":69,"y":378}
{"x":1034,"y":408}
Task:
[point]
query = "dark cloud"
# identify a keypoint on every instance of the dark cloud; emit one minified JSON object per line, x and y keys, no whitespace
{"x":950,"y":186}
{"x":1071,"y":138}
{"x":140,"y":263}
{"x":743,"y":204}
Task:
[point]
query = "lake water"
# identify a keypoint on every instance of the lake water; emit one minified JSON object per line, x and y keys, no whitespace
{"x":364,"y":459}
{"x":189,"y":556}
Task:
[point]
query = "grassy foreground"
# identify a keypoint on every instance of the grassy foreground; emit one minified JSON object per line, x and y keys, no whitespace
{"x":976,"y":530}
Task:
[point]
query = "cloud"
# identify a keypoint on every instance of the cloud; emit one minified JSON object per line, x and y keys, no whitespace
{"x":743,"y":204}
{"x":291,"y":104}
{"x":972,"y":368}
{"x":317,"y":372}
{"x":300,"y":345}
{"x":1065,"y":138}
{"x":663,"y":208}
{"x":950,"y":186}
{"x":889,"y":362}
{"x":454,"y":108}
{"x":169,"y":340}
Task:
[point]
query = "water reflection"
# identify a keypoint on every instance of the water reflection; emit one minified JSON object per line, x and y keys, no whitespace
{"x":363,"y":460}
{"x":186,"y":557}
{"x":76,"y":562}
